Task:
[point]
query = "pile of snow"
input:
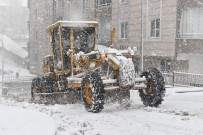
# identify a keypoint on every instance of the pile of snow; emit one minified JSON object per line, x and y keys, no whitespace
{"x":126,"y":71}
{"x":179,"y":114}
{"x":16,"y":121}
{"x":13,"y":47}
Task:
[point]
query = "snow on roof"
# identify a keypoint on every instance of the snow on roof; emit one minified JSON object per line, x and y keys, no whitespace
{"x":78,"y":21}
{"x":13,"y":47}
{"x":72,"y":24}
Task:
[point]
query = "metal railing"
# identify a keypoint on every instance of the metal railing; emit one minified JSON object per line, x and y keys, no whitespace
{"x":18,"y":79}
{"x":183,"y":79}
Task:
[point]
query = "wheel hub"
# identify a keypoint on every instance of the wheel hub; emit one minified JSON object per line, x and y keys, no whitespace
{"x":88,"y":93}
{"x":149,"y":89}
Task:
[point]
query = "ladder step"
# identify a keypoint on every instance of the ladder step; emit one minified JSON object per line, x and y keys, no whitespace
{"x":141,"y":86}
{"x":110,"y":81}
{"x":110,"y":88}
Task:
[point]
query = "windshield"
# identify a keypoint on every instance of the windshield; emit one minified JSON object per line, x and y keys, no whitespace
{"x":56,"y":48}
{"x":66,"y":46}
{"x":84,"y":39}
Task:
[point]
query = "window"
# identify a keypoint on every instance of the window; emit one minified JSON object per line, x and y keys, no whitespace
{"x":47,"y":11}
{"x":84,"y":39}
{"x":123,"y":47}
{"x":191,"y":23}
{"x":36,"y":13}
{"x":86,"y":8}
{"x":36,"y":35}
{"x":28,"y":3}
{"x":165,"y":65}
{"x":124,"y":1}
{"x":103,"y":3}
{"x":59,"y":7}
{"x":56,"y":49}
{"x":155,"y":28}
{"x":28,"y":25}
{"x":104,"y":32}
{"x":124,"y":30}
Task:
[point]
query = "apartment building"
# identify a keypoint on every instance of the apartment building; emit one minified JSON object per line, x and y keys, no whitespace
{"x":40,"y":17}
{"x":45,"y":12}
{"x":172,"y":34}
{"x":189,"y":34}
{"x":172,"y":30}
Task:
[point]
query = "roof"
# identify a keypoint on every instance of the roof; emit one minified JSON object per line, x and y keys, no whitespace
{"x":12,"y":46}
{"x":73,"y":24}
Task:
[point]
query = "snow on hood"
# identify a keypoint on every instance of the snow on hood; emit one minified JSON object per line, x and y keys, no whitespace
{"x":13,"y":47}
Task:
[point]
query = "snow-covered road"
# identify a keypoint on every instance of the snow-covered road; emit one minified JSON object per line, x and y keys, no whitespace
{"x":180,"y":114}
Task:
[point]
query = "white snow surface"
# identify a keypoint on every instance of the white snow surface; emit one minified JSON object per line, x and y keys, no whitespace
{"x":18,"y":121}
{"x":13,"y":47}
{"x":179,"y":114}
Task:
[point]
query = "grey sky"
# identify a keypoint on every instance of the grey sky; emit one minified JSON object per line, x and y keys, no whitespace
{"x":6,"y":2}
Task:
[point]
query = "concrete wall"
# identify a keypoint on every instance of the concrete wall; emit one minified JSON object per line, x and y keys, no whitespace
{"x":103,"y":16}
{"x":163,"y":46}
{"x":41,"y":16}
{"x":120,"y":13}
{"x":189,"y":48}
{"x":155,"y":49}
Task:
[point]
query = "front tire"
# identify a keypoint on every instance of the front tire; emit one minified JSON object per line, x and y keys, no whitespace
{"x":155,"y":91}
{"x":93,"y":92}
{"x":35,"y":87}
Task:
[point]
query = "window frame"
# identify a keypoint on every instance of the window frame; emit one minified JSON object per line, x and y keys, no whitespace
{"x":123,"y":1}
{"x":186,"y":30}
{"x":59,"y":8}
{"x":125,"y":33}
{"x":103,"y":3}
{"x":155,"y":33}
{"x":86,"y":8}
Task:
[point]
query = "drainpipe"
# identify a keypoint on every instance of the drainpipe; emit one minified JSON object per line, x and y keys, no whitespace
{"x":2,"y":51}
{"x":141,"y":46}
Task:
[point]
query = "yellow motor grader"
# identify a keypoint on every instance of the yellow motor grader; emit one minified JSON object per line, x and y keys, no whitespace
{"x":79,"y":65}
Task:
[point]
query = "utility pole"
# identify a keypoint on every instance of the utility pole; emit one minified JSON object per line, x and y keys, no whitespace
{"x":141,"y":45}
{"x":2,"y":53}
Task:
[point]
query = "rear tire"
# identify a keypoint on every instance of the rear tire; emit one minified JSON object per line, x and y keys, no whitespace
{"x":155,"y":91}
{"x":93,"y":92}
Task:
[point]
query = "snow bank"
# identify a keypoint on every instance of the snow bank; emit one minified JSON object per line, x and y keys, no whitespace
{"x":11,"y":46}
{"x":179,"y":114}
{"x":15,"y":121}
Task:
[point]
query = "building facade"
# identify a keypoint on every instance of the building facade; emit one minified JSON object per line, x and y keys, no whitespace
{"x":172,"y":34}
{"x":172,"y":30}
{"x":40,"y":17}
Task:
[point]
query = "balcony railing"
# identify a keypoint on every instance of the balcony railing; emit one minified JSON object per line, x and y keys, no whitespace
{"x":183,"y":79}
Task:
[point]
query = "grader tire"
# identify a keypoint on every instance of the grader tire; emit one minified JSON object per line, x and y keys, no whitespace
{"x":48,"y":85}
{"x":35,"y":87}
{"x":93,"y":92}
{"x":153,"y":95}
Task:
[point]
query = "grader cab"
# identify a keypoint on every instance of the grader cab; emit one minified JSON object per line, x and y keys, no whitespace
{"x":77,"y":65}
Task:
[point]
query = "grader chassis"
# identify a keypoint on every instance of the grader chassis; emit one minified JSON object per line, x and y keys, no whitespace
{"x":78,"y":66}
